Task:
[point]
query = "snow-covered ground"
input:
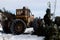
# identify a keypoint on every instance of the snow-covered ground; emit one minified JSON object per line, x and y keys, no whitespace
{"x":4,"y":36}
{"x":20,"y":37}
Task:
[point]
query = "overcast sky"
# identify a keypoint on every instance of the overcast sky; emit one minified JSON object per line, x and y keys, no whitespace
{"x":37,"y":7}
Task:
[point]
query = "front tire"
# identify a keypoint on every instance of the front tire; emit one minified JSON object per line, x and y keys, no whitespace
{"x":18,"y":27}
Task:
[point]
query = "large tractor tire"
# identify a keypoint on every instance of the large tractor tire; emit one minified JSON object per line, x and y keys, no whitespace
{"x":35,"y":24}
{"x":6,"y":26}
{"x":18,"y":27}
{"x":38,"y":27}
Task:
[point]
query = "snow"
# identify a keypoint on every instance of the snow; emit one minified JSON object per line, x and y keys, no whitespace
{"x":20,"y":37}
{"x":29,"y":30}
{"x":4,"y":36}
{"x":26,"y":37}
{"x":0,"y":27}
